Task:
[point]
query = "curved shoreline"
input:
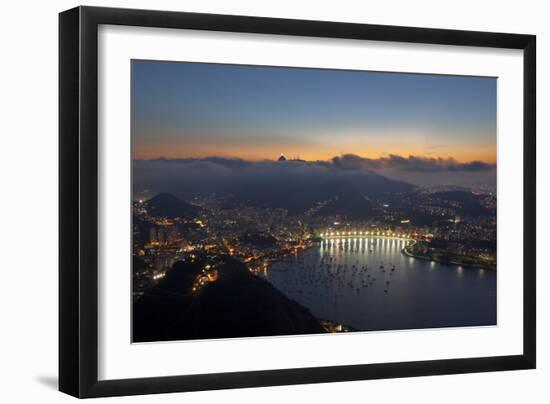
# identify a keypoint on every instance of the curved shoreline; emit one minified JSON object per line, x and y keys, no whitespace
{"x":411,"y":255}
{"x":403,"y":251}
{"x":305,"y":289}
{"x":365,"y":237}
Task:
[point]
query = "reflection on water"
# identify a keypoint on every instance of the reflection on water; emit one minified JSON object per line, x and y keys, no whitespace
{"x":369,"y":284}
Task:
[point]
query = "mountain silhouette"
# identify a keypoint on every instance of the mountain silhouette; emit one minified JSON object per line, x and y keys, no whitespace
{"x":347,"y":201}
{"x":168,"y":205}
{"x":238,"y":304}
{"x":297,"y":195}
{"x":294,"y":185}
{"x":469,"y":204}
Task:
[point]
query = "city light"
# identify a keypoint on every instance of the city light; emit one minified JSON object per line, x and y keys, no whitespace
{"x":205,"y":238}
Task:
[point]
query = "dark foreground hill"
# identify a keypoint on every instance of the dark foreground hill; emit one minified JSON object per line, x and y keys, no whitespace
{"x":238,"y":304}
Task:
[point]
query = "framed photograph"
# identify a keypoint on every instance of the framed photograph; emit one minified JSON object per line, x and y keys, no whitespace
{"x":251,"y":201}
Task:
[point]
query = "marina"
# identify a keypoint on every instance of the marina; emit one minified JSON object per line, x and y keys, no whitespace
{"x":368,"y":283}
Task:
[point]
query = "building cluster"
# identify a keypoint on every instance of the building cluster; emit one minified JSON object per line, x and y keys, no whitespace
{"x":257,"y":236}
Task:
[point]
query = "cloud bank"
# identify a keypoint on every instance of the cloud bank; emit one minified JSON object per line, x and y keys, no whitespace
{"x":410,"y":163}
{"x":200,"y":176}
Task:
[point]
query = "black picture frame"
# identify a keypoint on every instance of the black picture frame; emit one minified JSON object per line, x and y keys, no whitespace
{"x":78,"y":201}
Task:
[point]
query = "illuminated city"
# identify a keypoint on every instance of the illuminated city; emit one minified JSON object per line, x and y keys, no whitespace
{"x":237,"y":243}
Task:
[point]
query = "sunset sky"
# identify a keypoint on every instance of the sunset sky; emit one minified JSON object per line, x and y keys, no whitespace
{"x":182,"y":110}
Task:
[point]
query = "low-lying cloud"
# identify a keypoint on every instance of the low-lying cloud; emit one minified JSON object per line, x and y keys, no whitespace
{"x":410,"y":163}
{"x":200,"y":176}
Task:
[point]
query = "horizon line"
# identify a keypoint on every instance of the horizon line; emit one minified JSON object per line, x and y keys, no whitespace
{"x":328,"y":160}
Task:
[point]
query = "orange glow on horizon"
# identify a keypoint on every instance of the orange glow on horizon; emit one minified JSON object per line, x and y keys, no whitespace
{"x":486,"y":155}
{"x":464,"y":147}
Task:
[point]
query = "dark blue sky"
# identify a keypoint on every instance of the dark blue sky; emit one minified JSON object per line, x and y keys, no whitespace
{"x":253,"y":112}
